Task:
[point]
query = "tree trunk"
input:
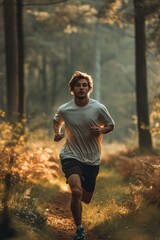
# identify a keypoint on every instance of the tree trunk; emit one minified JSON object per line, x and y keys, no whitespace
{"x":73,"y":46}
{"x":54,"y":82}
{"x":21,"y":102}
{"x":11,"y":49}
{"x":97,"y":84}
{"x":145,"y":140}
{"x":44,"y":84}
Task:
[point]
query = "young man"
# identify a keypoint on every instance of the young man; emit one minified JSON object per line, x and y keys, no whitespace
{"x":86,"y":120}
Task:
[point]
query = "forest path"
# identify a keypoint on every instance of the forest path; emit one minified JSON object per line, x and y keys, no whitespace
{"x":39,"y":199}
{"x":59,"y":215}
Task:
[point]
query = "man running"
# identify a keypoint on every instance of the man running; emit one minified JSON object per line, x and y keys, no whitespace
{"x":85,"y":120}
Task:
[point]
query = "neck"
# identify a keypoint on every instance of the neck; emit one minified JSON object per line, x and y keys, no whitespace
{"x":81,"y":101}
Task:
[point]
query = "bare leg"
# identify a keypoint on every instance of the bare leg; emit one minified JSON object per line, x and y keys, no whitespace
{"x":86,"y":196}
{"x":76,"y":206}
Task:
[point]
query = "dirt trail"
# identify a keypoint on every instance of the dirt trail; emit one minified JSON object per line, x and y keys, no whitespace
{"x":60,"y":217}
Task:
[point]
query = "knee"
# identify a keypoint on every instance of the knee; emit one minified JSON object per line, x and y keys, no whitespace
{"x":76,"y":192}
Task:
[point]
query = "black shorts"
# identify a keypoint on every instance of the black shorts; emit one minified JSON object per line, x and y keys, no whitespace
{"x":87,"y":173}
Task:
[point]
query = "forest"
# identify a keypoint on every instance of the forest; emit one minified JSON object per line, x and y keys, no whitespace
{"x":42,"y":43}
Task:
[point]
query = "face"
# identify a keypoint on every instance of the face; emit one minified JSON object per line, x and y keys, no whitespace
{"x":81,"y":88}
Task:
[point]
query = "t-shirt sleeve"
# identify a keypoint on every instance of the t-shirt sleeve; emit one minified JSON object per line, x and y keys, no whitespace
{"x":105,"y":117}
{"x":58,"y":116}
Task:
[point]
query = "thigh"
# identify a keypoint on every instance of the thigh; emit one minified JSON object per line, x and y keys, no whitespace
{"x":70,"y":167}
{"x":74,"y":181}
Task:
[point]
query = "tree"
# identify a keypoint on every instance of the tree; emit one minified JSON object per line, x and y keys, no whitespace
{"x":97,"y":40}
{"x":144,"y":136}
{"x":11,"y":49}
{"x":21,"y":96}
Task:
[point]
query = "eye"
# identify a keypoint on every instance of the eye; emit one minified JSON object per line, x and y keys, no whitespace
{"x":77,"y":85}
{"x":81,"y":85}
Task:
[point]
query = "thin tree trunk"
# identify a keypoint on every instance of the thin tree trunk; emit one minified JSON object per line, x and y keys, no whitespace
{"x":11,"y":49}
{"x":73,"y":46}
{"x":97,"y":64}
{"x":21,"y":102}
{"x":141,"y":77}
{"x":44,"y":84}
{"x":54,"y":82}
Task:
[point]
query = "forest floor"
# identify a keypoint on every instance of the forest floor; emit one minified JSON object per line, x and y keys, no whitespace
{"x":37,"y":200}
{"x":60,"y":217}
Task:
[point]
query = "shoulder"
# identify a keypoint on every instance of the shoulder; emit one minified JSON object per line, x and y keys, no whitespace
{"x":65,"y":106}
{"x":97,"y":104}
{"x":99,"y":107}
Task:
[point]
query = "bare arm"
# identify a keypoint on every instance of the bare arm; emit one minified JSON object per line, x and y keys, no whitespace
{"x":102,"y":130}
{"x":57,"y":129}
{"x":107,"y":129}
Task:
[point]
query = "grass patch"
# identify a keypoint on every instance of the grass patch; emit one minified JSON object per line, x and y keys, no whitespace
{"x":111,"y":200}
{"x":26,"y":205}
{"x":113,"y":214}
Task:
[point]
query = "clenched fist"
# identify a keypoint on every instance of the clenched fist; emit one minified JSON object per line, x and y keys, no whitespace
{"x":58,"y":137}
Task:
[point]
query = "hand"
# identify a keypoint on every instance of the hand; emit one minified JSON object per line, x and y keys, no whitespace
{"x":58,"y":137}
{"x":96,"y":131}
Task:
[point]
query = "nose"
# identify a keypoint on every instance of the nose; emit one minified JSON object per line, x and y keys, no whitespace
{"x":81,"y":86}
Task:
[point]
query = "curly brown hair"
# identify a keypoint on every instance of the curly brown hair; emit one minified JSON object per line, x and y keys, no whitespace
{"x":79,"y":75}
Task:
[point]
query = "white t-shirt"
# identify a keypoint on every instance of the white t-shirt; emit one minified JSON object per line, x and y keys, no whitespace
{"x":78,"y":120}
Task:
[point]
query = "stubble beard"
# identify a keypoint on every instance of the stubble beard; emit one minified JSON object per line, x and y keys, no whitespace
{"x":81,"y":97}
